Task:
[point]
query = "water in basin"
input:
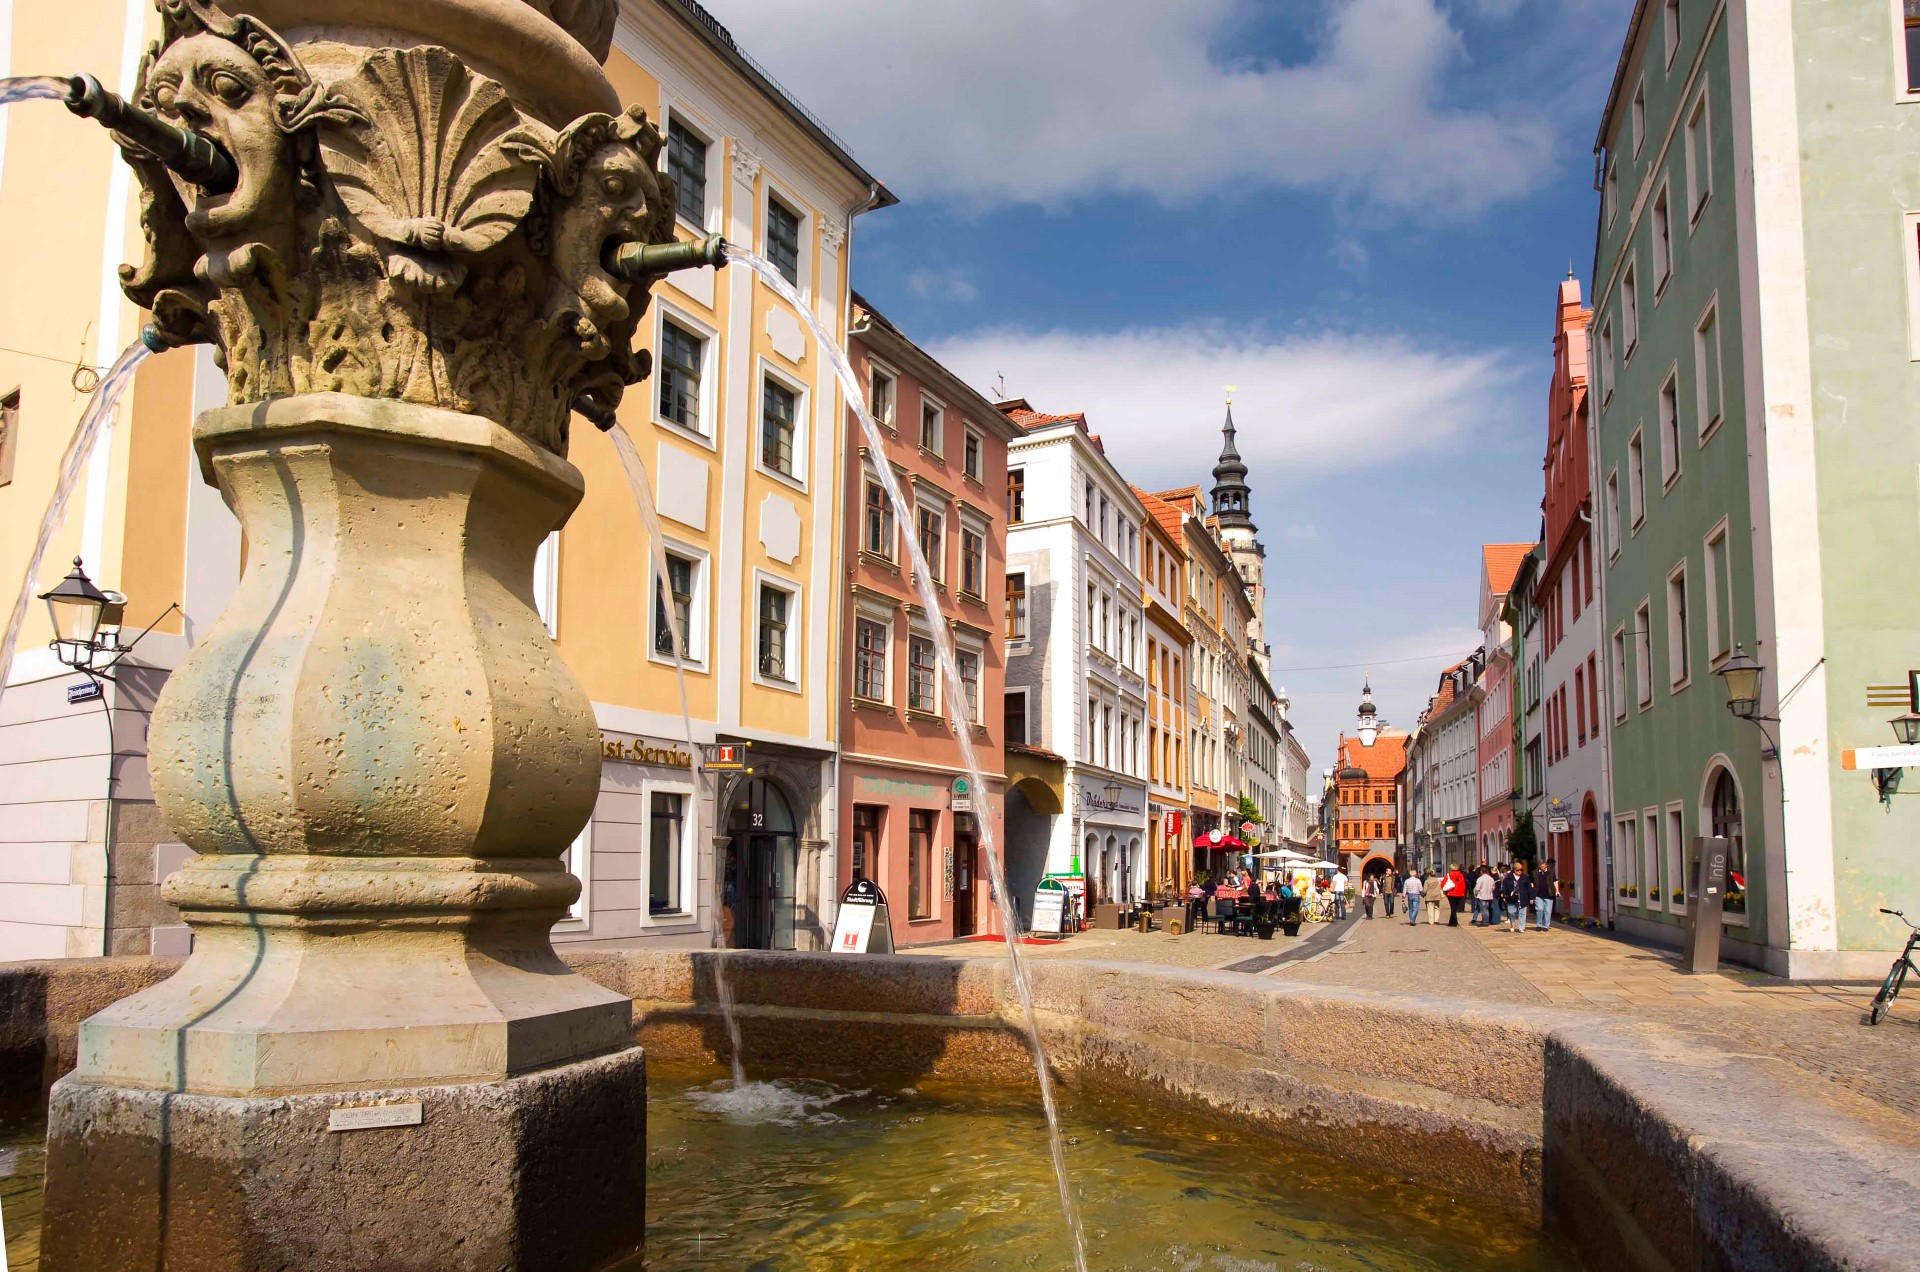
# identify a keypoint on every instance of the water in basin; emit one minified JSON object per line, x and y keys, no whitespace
{"x":806,"y":1175}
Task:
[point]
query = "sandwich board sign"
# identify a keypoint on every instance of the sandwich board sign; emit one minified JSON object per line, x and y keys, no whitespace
{"x":862,"y":926}
{"x":1050,"y":908}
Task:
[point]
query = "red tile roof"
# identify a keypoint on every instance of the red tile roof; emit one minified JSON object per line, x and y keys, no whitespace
{"x":1027,"y":418}
{"x":1164,"y":513}
{"x":1385,"y":759}
{"x":1502,"y":562}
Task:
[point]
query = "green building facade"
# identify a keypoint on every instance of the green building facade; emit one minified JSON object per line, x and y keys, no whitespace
{"x":1756,"y":395}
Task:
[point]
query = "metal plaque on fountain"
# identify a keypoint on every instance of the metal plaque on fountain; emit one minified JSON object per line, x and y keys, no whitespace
{"x":863,"y":926}
{"x":1706,"y":893}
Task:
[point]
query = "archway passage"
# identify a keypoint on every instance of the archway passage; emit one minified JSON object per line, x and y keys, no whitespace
{"x":1029,"y":832}
{"x":1375,"y":866}
{"x":763,"y":858}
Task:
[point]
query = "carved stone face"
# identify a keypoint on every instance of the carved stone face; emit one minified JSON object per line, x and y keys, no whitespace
{"x":610,"y":206}
{"x":210,"y":85}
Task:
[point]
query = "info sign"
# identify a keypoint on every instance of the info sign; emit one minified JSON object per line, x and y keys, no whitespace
{"x":863,"y":926}
{"x":724,"y":757}
{"x":961,"y":801}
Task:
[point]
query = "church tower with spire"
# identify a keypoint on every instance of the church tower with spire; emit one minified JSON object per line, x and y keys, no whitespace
{"x":1233,"y":522}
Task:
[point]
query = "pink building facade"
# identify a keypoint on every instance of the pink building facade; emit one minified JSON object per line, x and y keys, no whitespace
{"x":908,"y":818}
{"x":1493,"y":698}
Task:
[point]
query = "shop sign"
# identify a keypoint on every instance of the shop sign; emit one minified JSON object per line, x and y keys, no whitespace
{"x":1050,"y":909}
{"x":725,"y":757}
{"x":961,"y":801}
{"x":646,"y":751}
{"x":894,"y":786}
{"x":1558,"y":825}
{"x":1174,"y":822}
{"x":863,"y":926}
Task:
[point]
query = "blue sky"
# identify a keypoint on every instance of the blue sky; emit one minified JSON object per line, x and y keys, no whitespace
{"x":1357,"y":211}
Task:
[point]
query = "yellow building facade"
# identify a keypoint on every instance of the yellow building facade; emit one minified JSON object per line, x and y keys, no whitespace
{"x":739,"y":427}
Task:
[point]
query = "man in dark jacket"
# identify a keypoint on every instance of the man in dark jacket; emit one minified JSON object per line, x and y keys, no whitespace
{"x":1522,"y":900}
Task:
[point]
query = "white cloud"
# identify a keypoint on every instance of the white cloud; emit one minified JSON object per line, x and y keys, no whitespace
{"x":943,"y":284}
{"x":992,"y":102}
{"x":1325,"y":701}
{"x":1307,"y":406}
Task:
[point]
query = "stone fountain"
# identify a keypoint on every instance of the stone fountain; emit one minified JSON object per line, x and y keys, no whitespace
{"x":425,"y":265}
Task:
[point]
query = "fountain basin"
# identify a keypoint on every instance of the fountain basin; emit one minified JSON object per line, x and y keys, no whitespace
{"x":1640,"y":1147}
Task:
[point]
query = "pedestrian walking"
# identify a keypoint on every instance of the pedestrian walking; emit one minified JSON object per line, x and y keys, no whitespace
{"x":1368,"y":891}
{"x":1546,"y":886}
{"x":1435,"y":892}
{"x":1389,"y":885}
{"x":1454,"y":888}
{"x":1522,"y":901}
{"x":1339,"y":893}
{"x":1503,"y":894}
{"x":1413,"y":889}
{"x":1483,"y":897}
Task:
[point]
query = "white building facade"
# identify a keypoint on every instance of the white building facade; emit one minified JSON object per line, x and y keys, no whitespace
{"x":1079,"y":544}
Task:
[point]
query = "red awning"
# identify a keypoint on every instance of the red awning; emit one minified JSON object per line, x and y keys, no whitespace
{"x":1226,"y":843}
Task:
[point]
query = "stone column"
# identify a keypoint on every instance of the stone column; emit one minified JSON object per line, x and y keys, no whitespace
{"x":376,"y":751}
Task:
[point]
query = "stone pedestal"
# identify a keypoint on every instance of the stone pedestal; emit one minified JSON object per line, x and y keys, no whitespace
{"x":380,"y":758}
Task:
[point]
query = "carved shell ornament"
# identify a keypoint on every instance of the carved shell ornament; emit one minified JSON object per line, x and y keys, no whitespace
{"x":432,"y":171}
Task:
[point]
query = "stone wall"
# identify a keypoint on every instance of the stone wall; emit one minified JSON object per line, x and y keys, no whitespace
{"x":1648,"y":1151}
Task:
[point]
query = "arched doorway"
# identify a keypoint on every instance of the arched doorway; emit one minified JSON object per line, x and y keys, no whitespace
{"x":1589,"y":864}
{"x":763,"y":860}
{"x":1725,"y":817}
{"x":1375,"y":866}
{"x":1031,"y":808}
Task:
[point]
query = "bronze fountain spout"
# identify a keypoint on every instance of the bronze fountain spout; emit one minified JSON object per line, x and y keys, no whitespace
{"x":184,"y":152}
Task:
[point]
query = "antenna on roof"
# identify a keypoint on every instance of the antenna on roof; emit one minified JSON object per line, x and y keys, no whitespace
{"x":1000,"y":388}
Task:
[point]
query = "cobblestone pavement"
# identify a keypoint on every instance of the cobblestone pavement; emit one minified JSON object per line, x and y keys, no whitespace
{"x":1811,"y":1033}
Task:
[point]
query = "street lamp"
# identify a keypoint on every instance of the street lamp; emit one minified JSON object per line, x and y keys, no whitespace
{"x":76,"y":607}
{"x":1741,"y":676}
{"x":1906,"y":727}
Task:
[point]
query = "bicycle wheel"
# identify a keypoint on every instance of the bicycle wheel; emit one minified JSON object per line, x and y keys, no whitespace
{"x":1889,"y":991}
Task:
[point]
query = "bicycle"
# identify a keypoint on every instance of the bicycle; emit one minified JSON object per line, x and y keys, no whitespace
{"x":1897,"y":974}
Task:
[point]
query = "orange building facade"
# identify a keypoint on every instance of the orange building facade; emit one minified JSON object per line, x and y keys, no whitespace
{"x":908,"y":820}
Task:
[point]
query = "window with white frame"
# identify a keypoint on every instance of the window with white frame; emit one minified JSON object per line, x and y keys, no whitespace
{"x":783,"y":239}
{"x":1679,"y":632}
{"x":968,"y":663}
{"x":1636,"y":480}
{"x":1670,"y":29}
{"x":1605,"y":366}
{"x":883,"y":388}
{"x":1613,"y":513}
{"x":1626,"y":857}
{"x":1643,"y":654}
{"x":932,"y":535}
{"x":580,"y":866}
{"x":876,"y":533}
{"x":1016,"y":496}
{"x":1018,"y":730}
{"x":932,"y":422}
{"x":1676,"y":854}
{"x":669,"y":851}
{"x":778,"y":613}
{"x":1661,"y":225}
{"x":683,"y":358}
{"x":1719,"y":595}
{"x":973,"y":561}
{"x":1709,"y":388}
{"x":870,"y":640}
{"x":779,"y":427}
{"x":1906,"y":17}
{"x":923,"y":676}
{"x":1016,"y":606}
{"x":1629,"y":315}
{"x":679,"y":610}
{"x":1612,"y":198}
{"x":970,"y":455}
{"x":1670,"y":428}
{"x":1699,"y":145}
{"x":687,"y":171}
{"x":1650,"y":857}
{"x":546,"y":583}
{"x":1638,"y":113}
{"x":1620,"y":673}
